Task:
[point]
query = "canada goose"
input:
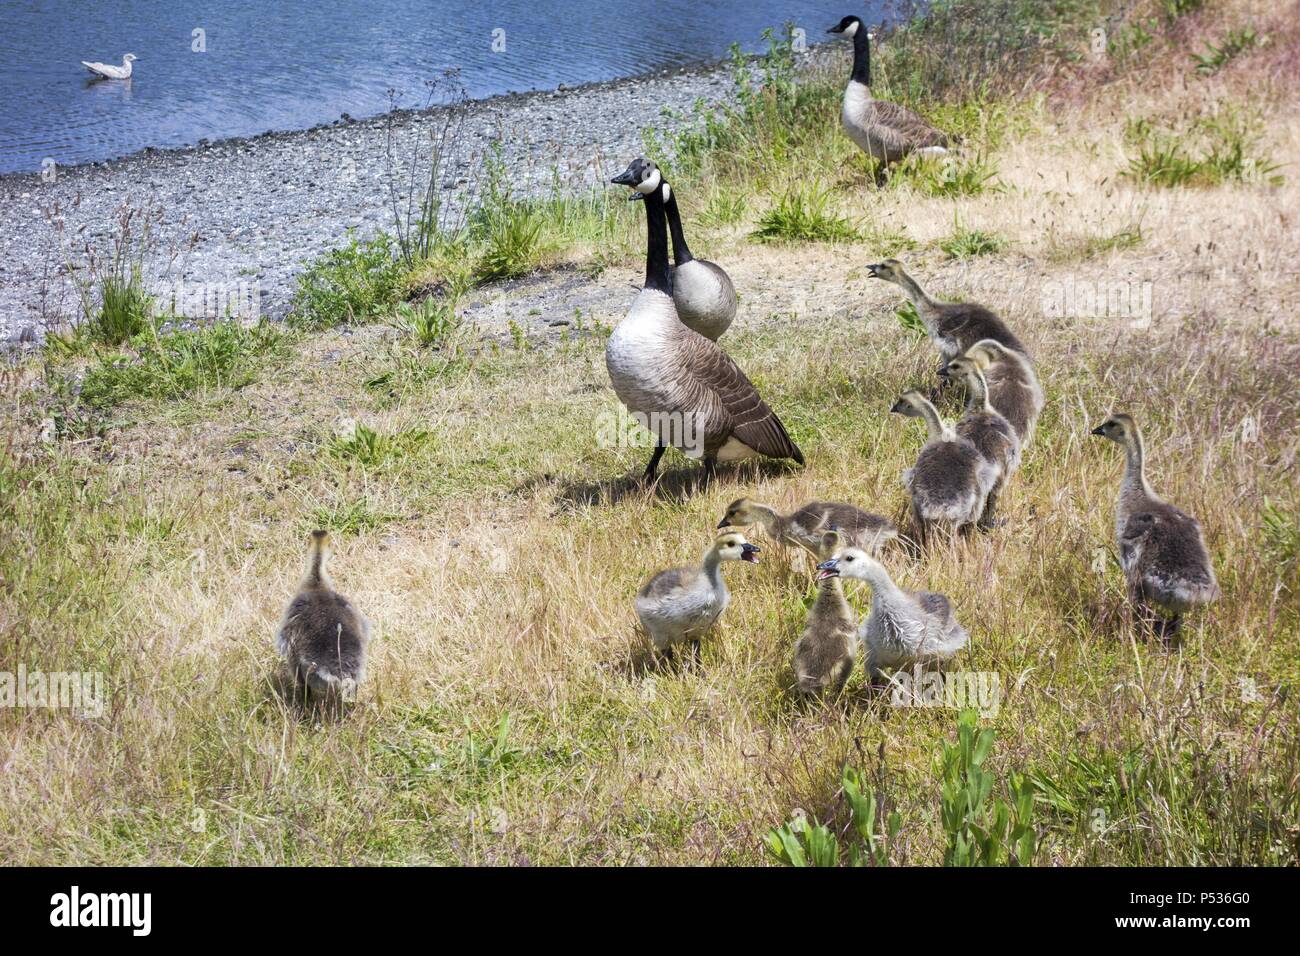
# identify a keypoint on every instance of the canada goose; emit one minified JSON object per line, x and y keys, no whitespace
{"x":824,"y":653}
{"x":1012,"y":385}
{"x":1161,"y":547}
{"x":953,"y":326}
{"x":904,"y":628}
{"x":884,"y":131}
{"x":681,"y":604}
{"x":950,"y":481}
{"x":109,"y":72}
{"x":685,"y":389}
{"x":323,"y":637}
{"x":806,"y":526}
{"x":702,"y":290}
{"x":987,"y":429}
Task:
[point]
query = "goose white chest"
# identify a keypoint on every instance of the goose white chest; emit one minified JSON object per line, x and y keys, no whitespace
{"x":855,"y":115}
{"x":640,"y":354}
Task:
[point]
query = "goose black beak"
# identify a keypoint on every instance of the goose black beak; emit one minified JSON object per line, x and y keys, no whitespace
{"x":1100,"y":430}
{"x":748,"y":552}
{"x":635,"y":197}
{"x":724,"y":523}
{"x":828,"y":569}
{"x":625,"y":178}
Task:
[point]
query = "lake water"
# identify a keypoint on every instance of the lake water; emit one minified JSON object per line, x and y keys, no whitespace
{"x":219,"y":68}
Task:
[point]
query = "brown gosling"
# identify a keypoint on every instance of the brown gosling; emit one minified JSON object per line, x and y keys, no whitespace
{"x":950,"y":481}
{"x":988,"y":430}
{"x":1013,"y":385}
{"x":824,"y":653}
{"x":805,"y":527}
{"x":953,"y":327}
{"x":1161,"y":548}
{"x":323,"y":638}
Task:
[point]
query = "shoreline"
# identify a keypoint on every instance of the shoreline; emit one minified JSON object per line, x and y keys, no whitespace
{"x":248,"y":211}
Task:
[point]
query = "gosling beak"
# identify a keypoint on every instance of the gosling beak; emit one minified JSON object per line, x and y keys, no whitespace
{"x":747,"y":552}
{"x":724,"y":523}
{"x":899,"y":408}
{"x":873,"y":270}
{"x":1099,"y":430}
{"x":828,"y":569}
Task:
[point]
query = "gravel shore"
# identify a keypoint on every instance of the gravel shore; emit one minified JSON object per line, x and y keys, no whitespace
{"x":252,"y":210}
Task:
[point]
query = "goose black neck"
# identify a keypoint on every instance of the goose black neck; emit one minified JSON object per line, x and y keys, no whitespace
{"x":861,"y":56}
{"x":656,"y":251}
{"x":681,"y":253}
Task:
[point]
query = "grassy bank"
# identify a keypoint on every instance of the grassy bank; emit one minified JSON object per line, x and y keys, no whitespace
{"x":157,"y":489}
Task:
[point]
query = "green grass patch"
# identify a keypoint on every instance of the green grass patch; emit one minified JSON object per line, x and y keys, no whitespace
{"x":348,"y":286}
{"x":805,"y":213}
{"x":966,"y":243}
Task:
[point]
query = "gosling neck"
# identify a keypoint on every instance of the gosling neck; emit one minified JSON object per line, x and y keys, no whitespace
{"x":914,"y":292}
{"x":768,"y":518}
{"x":933,"y":423}
{"x":316,"y":576}
{"x":681,"y":252}
{"x":1135,"y":475}
{"x":656,"y":253}
{"x":977,"y":389}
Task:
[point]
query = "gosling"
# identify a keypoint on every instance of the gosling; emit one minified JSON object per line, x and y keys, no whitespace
{"x":988,"y":430}
{"x":805,"y":527}
{"x":1161,"y":548}
{"x":904,"y":628}
{"x":953,"y":327}
{"x":951,"y":480}
{"x":681,"y":605}
{"x":1012,"y":385}
{"x":323,"y":638}
{"x":824,"y":654}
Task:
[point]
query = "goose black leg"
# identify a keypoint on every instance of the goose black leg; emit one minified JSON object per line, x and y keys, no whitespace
{"x":653,"y":467}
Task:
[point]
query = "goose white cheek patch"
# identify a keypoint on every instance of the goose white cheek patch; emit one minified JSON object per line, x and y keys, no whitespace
{"x":650,"y":185}
{"x":851,"y":29}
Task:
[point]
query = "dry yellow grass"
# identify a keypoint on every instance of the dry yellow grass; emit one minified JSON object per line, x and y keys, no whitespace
{"x":504,"y":718}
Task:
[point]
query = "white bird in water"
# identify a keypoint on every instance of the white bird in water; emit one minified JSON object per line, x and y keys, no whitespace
{"x":122,"y":72}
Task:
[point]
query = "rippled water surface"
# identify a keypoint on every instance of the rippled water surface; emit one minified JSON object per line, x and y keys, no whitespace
{"x":290,"y":64}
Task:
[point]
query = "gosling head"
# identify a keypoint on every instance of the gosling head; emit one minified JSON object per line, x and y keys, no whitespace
{"x":1118,"y":428}
{"x":642,"y":175}
{"x":733,"y":547}
{"x":739,"y":514}
{"x":891,"y":270}
{"x":911,"y":403}
{"x":848,"y":26}
{"x":848,"y":563}
{"x":962,"y":367}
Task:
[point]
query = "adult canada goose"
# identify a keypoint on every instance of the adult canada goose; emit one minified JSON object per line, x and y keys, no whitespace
{"x":904,"y":628}
{"x":884,"y":131}
{"x":323,"y":637}
{"x":678,"y":383}
{"x":681,"y":604}
{"x":987,"y":429}
{"x":806,"y":526}
{"x":702,"y":290}
{"x":1012,"y":385}
{"x":824,"y":653}
{"x":110,"y":72}
{"x":1161,"y":547}
{"x":952,"y":326}
{"x":951,"y":480}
